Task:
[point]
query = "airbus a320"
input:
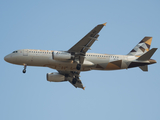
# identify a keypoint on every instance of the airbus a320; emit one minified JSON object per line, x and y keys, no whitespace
{"x":70,"y":63}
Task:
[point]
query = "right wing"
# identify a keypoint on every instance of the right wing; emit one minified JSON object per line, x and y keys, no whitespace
{"x":73,"y":78}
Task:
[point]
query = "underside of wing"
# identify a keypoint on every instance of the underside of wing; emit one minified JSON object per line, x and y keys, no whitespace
{"x":73,"y":78}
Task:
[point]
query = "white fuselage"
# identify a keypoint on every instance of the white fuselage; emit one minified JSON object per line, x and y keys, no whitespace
{"x":44,"y":58}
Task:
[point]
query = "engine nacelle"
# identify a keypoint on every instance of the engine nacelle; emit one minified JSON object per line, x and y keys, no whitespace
{"x":55,"y":77}
{"x":61,"y":55}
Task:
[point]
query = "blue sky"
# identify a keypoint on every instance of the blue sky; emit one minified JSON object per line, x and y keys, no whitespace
{"x":57,"y":25}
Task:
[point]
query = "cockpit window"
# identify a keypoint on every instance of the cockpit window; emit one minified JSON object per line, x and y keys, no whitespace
{"x":15,"y":51}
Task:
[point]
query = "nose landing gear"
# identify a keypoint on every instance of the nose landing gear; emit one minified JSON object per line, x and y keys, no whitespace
{"x":24,"y":70}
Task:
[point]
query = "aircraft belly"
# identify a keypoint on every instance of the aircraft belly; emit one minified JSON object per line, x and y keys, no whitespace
{"x":67,"y":67}
{"x":99,"y":63}
{"x":110,"y":63}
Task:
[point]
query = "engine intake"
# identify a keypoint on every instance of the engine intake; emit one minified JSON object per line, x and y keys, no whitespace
{"x":55,"y":77}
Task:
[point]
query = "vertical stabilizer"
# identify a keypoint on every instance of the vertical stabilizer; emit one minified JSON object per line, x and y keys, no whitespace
{"x":142,"y":47}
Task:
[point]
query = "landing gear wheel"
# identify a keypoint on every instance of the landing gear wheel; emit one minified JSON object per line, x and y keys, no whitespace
{"x":24,"y":71}
{"x":78,"y":66}
{"x":74,"y":80}
{"x":25,"y":66}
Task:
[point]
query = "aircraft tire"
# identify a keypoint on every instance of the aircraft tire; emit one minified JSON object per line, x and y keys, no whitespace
{"x":74,"y":80}
{"x":24,"y":71}
{"x":78,"y":66}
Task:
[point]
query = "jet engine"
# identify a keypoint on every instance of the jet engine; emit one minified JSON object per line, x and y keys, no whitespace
{"x":61,"y":55}
{"x":55,"y":77}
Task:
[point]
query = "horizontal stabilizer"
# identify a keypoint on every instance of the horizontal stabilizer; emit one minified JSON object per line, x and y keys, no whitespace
{"x":144,"y":68}
{"x":148,"y":54}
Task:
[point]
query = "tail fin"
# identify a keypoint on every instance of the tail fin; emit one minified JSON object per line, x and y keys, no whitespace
{"x":142,"y":47}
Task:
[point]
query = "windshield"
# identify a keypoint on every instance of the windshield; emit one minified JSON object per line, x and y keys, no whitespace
{"x":14,"y":51}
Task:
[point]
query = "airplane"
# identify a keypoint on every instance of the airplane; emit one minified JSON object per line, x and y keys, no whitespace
{"x":70,"y":63}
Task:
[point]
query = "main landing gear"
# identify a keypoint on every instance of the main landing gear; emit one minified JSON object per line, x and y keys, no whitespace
{"x":24,"y":70}
{"x":78,"y":66}
{"x":74,"y":80}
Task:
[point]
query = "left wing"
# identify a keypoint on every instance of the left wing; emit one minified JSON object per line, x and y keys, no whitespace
{"x":86,"y":42}
{"x":80,"y":48}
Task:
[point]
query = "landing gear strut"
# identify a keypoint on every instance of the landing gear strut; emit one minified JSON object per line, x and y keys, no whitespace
{"x":24,"y":70}
{"x":78,"y":66}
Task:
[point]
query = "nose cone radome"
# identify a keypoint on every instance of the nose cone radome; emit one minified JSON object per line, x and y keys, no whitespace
{"x":7,"y":58}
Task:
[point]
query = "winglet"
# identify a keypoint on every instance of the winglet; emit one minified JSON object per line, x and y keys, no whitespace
{"x":104,"y":24}
{"x":84,"y":88}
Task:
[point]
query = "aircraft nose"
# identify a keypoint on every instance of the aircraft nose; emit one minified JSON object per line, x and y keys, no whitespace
{"x":6,"y":58}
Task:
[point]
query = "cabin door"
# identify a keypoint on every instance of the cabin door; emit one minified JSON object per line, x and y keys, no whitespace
{"x":25,"y":52}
